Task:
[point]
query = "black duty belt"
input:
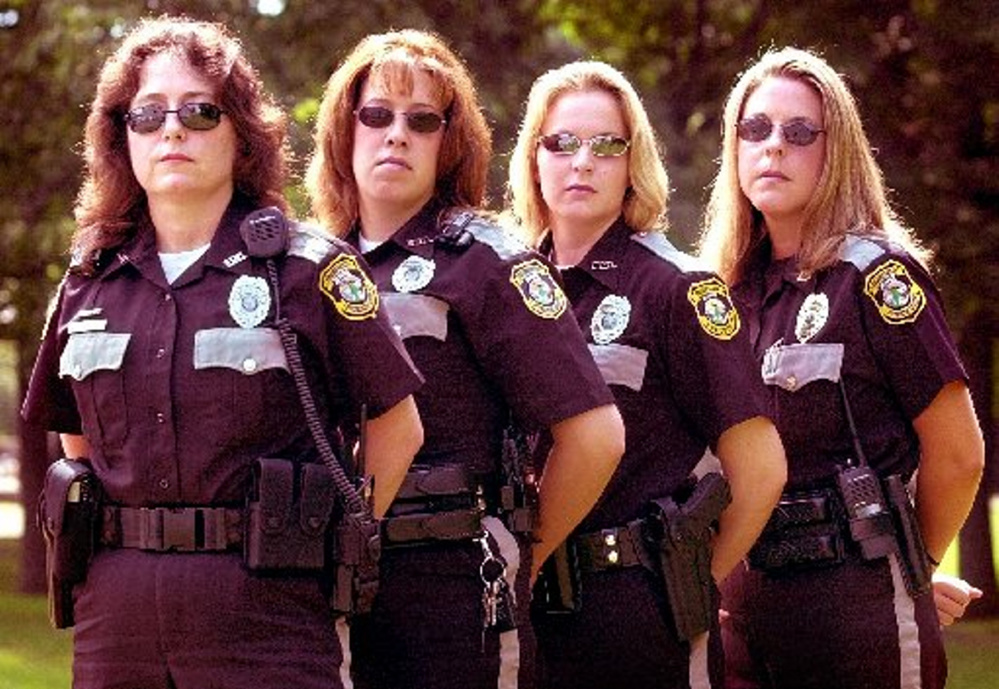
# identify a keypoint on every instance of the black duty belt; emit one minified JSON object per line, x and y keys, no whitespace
{"x":181,"y":529}
{"x":439,"y":503}
{"x":611,"y":548}
{"x":806,"y":529}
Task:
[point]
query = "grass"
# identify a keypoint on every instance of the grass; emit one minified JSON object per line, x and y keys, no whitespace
{"x":35,"y":656}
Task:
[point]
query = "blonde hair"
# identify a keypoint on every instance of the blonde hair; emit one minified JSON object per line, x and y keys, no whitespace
{"x":394,"y":58}
{"x":645,"y":202}
{"x":850,"y":195}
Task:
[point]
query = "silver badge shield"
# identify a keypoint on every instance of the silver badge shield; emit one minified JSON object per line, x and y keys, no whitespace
{"x":249,"y":301}
{"x":610,"y":319}
{"x":412,"y":274}
{"x":812,"y":315}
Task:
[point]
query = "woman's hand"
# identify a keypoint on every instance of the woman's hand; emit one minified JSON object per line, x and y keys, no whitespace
{"x":952,"y":597}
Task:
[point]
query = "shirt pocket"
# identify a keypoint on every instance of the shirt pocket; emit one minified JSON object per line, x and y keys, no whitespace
{"x":413,"y":315}
{"x":621,"y":364}
{"x":94,"y":362}
{"x":243,"y":387}
{"x":792,"y":367}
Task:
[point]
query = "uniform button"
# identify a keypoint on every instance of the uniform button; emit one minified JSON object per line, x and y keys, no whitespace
{"x":792,"y":382}
{"x":164,"y":483}
{"x":612,"y":557}
{"x":397,"y":328}
{"x":249,"y":365}
{"x":167,"y":297}
{"x":160,"y":417}
{"x":160,"y":353}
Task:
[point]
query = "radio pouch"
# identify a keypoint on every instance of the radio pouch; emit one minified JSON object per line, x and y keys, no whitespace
{"x":287,"y":516}
{"x":69,"y":518}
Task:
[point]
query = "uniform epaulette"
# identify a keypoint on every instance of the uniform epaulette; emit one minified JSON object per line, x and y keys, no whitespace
{"x":309,"y":242}
{"x":657,"y":243}
{"x":498,"y":239}
{"x":861,"y":252}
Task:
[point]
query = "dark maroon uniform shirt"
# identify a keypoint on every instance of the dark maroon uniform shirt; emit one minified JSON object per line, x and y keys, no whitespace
{"x":678,"y":386}
{"x":177,"y":399}
{"x":875,"y":319}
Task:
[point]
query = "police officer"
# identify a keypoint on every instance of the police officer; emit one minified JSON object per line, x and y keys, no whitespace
{"x":587,"y":183}
{"x":401,"y":148}
{"x":865,"y":385}
{"x":162,"y":368}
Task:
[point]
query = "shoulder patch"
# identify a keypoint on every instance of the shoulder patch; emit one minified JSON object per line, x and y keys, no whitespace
{"x":898,"y":297}
{"x":309,"y":242}
{"x":497,"y":238}
{"x":352,"y":292}
{"x":657,"y":243}
{"x":541,"y":293}
{"x":714,"y":308}
{"x":861,"y":252}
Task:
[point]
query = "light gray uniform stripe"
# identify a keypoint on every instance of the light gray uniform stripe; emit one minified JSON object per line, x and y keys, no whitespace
{"x":343,"y":635}
{"x":910,"y":675}
{"x":697,"y":669}
{"x":621,"y":364}
{"x":509,"y":642}
{"x":416,"y":314}
{"x":860,"y":252}
{"x":794,"y":366}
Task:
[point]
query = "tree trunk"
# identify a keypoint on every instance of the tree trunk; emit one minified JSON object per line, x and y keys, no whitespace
{"x":34,"y":460}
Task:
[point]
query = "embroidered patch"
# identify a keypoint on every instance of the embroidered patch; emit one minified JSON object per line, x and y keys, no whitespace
{"x":249,"y":301}
{"x":412,"y":274}
{"x":898,"y":297}
{"x":349,"y":288}
{"x":812,"y":315}
{"x":538,"y":288}
{"x":610,"y":319}
{"x":714,"y":308}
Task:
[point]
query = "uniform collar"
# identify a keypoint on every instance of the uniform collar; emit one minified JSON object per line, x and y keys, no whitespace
{"x":416,"y":236}
{"x":605,"y":261}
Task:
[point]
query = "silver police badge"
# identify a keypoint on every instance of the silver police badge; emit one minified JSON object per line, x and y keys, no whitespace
{"x":249,"y":301}
{"x":812,"y":315}
{"x":610,"y":319}
{"x":412,"y":274}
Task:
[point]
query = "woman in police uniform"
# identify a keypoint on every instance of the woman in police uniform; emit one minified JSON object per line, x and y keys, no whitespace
{"x":162,"y":368}
{"x":589,"y":186}
{"x":401,"y":149}
{"x":864,"y":378}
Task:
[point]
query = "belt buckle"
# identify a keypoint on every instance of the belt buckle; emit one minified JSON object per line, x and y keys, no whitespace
{"x":165,"y":528}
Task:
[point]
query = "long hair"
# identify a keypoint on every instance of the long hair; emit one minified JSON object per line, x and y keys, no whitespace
{"x":111,"y":203}
{"x":850,"y":195}
{"x":645,"y":201}
{"x":394,"y":58}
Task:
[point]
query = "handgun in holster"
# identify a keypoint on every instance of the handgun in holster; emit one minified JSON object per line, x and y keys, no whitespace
{"x":681,"y":533}
{"x":69,"y":513}
{"x":557,"y":590}
{"x":916,"y":570}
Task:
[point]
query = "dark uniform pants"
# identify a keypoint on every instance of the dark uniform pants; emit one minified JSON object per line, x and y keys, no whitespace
{"x":842,"y":627}
{"x":193,"y":621}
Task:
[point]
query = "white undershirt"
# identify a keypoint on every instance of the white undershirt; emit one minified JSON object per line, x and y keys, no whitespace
{"x":176,"y":263}
{"x":366,"y":245}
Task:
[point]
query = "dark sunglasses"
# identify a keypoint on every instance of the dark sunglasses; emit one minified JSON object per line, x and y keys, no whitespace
{"x":420,"y":121}
{"x":146,"y":119}
{"x":601,"y":145}
{"x":795,"y":132}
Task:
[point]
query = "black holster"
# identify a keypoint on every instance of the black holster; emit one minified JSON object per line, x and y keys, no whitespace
{"x":69,"y":517}
{"x":912,"y":552}
{"x":357,"y":551}
{"x":288,"y":515}
{"x":558,"y":589}
{"x":681,"y":534}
